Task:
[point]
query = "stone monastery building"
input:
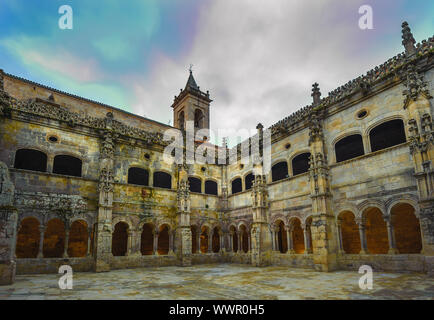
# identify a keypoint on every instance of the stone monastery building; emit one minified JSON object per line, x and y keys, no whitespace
{"x":85,"y":184}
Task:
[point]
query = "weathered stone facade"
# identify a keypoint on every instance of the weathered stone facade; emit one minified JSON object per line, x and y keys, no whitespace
{"x":85,"y":184}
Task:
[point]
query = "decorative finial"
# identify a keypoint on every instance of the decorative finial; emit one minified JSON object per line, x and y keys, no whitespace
{"x":191,"y":68}
{"x":259,"y":126}
{"x":408,"y":39}
{"x":316,"y":94}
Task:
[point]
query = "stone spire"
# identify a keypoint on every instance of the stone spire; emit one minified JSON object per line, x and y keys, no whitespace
{"x":316,"y":94}
{"x":191,"y":83}
{"x":407,"y":39}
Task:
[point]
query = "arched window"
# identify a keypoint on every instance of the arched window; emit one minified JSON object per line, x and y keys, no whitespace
{"x":300,"y":163}
{"x":297,"y":236}
{"x":162,"y":180}
{"x":30,"y":160}
{"x":376,"y":231}
{"x":138,"y":176}
{"x":387,"y":134}
{"x":28,"y":238}
{"x":282,"y":237}
{"x":211,"y":187}
{"x":350,"y":233}
{"x":204,"y":240}
{"x":195,"y":184}
{"x":147,"y":240}
{"x":215,"y":240}
{"x":120,"y":239}
{"x":349,"y":147}
{"x":236,"y":185}
{"x":279,"y":171}
{"x":181,"y":120}
{"x":54,"y":239}
{"x":248,"y":181}
{"x":198,"y":118}
{"x":78,"y":236}
{"x":407,"y":229}
{"x":163,"y":240}
{"x":67,"y":165}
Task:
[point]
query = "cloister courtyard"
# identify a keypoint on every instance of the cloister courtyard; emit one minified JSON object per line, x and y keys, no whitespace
{"x":221,"y":282}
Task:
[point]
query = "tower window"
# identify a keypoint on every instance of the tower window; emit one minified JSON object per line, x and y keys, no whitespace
{"x":198,"y":118}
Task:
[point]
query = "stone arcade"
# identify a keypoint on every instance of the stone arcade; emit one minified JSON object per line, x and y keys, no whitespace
{"x":84,"y":184}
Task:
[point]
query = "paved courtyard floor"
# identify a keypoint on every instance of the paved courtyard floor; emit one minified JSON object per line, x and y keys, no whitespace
{"x":223,"y":281}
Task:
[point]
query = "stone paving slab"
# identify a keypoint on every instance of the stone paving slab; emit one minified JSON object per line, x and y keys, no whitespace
{"x":222,"y":282}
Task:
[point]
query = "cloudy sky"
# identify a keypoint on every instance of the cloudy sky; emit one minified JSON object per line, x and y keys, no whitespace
{"x":257,"y":58}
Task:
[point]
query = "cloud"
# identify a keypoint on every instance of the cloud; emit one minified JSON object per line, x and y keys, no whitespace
{"x":259,"y":61}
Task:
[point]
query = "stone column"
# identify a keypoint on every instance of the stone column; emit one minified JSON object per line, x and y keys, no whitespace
{"x":129,"y":243}
{"x":288,"y":239}
{"x":248,"y":242}
{"x":306,"y":239}
{"x":291,"y":240}
{"x":240,"y":241}
{"x":210,"y":234}
{"x":340,"y":243}
{"x":65,"y":249}
{"x":231,"y":240}
{"x":155,"y":242}
{"x":222,"y":241}
{"x":309,"y":243}
{"x":273,"y":242}
{"x":362,"y":232}
{"x":171,"y":239}
{"x":198,"y":242}
{"x":89,"y":240}
{"x":391,"y":235}
{"x":41,"y":241}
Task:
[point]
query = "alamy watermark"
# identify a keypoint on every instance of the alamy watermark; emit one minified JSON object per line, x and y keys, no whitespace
{"x":366,"y":21}
{"x":66,"y":20}
{"x":366,"y":281}
{"x":66,"y":281}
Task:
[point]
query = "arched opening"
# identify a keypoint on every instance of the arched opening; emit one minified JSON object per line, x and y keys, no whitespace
{"x":236,"y":185}
{"x":376,"y":231}
{"x":120,"y":239}
{"x":147,"y":240}
{"x":138,"y":176}
{"x":193,"y":239}
{"x":279,"y":171}
{"x":282,"y":238}
{"x":30,"y":160}
{"x":54,"y":239}
{"x":67,"y":165}
{"x":387,"y":134}
{"x":234,"y":239}
{"x":300,"y":163}
{"x":297,"y":236}
{"x":163,"y":240}
{"x":28,"y":238}
{"x":350,"y":233}
{"x":406,"y":228}
{"x":195,"y":184}
{"x":248,"y":181}
{"x":162,"y":180}
{"x":349,"y":147}
{"x":204,"y":240}
{"x":181,"y":120}
{"x":198,"y":118}
{"x":216,"y":240}
{"x":244,"y":239}
{"x":78,"y":236}
{"x":211,"y":187}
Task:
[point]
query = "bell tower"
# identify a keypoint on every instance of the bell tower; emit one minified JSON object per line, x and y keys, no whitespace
{"x":191,"y":105}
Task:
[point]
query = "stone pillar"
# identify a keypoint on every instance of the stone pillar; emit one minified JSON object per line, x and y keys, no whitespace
{"x":231,"y":240}
{"x":183,"y":235}
{"x":171,"y":242}
{"x":340,"y":244}
{"x":129,"y":243}
{"x":291,"y":240}
{"x":362,"y":232}
{"x":248,"y":243}
{"x":89,"y":240}
{"x":65,"y":248}
{"x":155,"y":243}
{"x":309,"y":243}
{"x":391,"y":235}
{"x":306,"y":239}
{"x":273,"y":238}
{"x":222,"y":241}
{"x":210,"y":233}
{"x":240,"y":241}
{"x":8,"y":236}
{"x":41,"y":241}
{"x":198,"y":242}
